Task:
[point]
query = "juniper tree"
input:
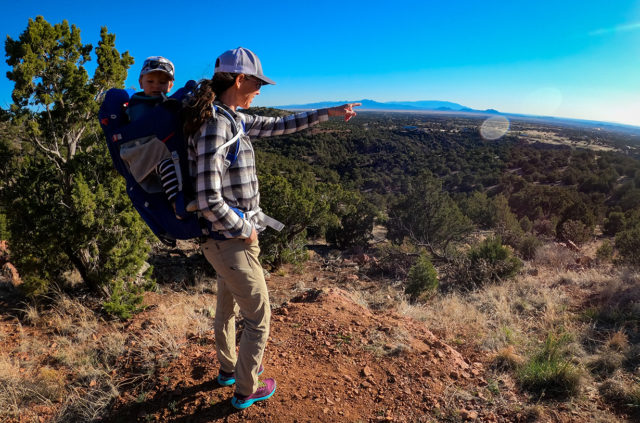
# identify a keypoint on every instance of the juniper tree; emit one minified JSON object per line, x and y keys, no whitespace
{"x":65,"y":206}
{"x":428,"y":217}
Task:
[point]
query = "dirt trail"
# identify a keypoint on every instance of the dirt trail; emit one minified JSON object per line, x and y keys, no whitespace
{"x":334,"y":361}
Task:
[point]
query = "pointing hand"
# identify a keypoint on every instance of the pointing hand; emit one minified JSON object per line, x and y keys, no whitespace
{"x":345,"y":110}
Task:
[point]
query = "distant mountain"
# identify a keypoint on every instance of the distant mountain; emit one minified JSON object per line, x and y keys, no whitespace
{"x":430,"y":105}
{"x":447,"y":106}
{"x":443,"y":106}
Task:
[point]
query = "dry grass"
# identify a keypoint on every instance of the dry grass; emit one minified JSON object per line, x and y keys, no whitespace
{"x":67,"y":357}
{"x":554,"y":257}
{"x":451,"y":317}
{"x":595,"y":311}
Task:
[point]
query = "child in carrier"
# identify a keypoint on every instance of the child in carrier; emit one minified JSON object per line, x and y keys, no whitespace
{"x":156,"y":80}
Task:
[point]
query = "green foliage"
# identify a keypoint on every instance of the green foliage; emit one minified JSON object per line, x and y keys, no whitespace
{"x":65,"y":205}
{"x":356,"y":218}
{"x":549,"y":372}
{"x":480,"y":209}
{"x":299,"y":202}
{"x":507,"y":226}
{"x":614,"y":223}
{"x":422,"y":281}
{"x":124,"y":301}
{"x":576,"y":223}
{"x":490,"y":261}
{"x":528,"y":246}
{"x":428,"y":217}
{"x":4,"y":233}
{"x":605,"y":251}
{"x":627,"y":243}
{"x":112,"y":67}
{"x":575,"y":231}
{"x":292,"y":192}
{"x":526,"y":224}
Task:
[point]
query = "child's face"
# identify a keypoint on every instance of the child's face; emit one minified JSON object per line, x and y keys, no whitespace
{"x":155,"y":83}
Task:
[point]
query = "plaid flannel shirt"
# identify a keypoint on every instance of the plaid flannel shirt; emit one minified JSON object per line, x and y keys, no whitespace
{"x":218,"y":188}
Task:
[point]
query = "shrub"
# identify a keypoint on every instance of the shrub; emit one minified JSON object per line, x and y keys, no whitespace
{"x":393,"y":261}
{"x":491,"y":261}
{"x":356,"y":218}
{"x":486,"y":262}
{"x":480,"y":209}
{"x":526,"y":224}
{"x":628,"y":245}
{"x":605,"y":251}
{"x":507,"y":225}
{"x":549,"y":372}
{"x":544,"y":227}
{"x":428,"y":217}
{"x":296,"y":203}
{"x":422,"y":281}
{"x":528,"y":246}
{"x":575,"y":231}
{"x":124,"y":301}
{"x":614,"y":223}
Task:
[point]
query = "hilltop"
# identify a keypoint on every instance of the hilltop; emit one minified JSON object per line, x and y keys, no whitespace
{"x":344,"y":347}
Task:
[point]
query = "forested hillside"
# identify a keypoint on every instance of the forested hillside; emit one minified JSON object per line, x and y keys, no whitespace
{"x":558,"y":181}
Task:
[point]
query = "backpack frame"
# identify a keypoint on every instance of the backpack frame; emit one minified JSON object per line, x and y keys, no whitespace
{"x":162,"y":125}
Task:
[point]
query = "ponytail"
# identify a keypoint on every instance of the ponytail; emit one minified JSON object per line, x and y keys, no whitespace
{"x":198,"y":110}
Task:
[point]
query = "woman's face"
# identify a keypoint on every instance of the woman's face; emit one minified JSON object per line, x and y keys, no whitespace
{"x":249,"y":88}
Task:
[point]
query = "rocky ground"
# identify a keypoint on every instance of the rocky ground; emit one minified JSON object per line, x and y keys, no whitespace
{"x":335,"y":357}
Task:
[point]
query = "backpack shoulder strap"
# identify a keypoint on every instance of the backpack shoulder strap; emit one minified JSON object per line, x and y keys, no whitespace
{"x":232,"y":155}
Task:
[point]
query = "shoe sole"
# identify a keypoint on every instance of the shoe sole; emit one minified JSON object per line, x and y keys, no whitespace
{"x":248,"y":403}
{"x":229,"y":382}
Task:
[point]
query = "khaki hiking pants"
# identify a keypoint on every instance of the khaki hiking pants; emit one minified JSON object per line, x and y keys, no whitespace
{"x":240,"y":281}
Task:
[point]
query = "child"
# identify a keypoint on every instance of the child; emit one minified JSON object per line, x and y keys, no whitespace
{"x":156,"y":80}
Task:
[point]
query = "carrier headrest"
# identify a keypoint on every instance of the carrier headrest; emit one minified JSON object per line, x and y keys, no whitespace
{"x":112,"y":110}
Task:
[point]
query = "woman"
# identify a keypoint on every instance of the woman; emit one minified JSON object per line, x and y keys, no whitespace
{"x":222,"y":164}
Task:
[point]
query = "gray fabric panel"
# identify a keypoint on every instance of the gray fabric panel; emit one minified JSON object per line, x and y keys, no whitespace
{"x":143,"y":155}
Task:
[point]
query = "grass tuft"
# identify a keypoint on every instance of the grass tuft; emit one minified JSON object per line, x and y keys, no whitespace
{"x":549,"y":373}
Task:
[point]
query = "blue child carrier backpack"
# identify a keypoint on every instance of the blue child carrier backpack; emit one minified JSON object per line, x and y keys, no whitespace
{"x":137,"y":147}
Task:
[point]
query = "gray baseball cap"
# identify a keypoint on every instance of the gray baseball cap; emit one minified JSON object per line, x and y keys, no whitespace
{"x":157,"y":64}
{"x":241,"y":60}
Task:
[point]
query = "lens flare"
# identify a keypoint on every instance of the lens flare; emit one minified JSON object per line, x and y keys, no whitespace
{"x":494,"y":128}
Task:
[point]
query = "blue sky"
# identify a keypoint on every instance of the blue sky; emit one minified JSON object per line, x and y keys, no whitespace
{"x":578,"y":59}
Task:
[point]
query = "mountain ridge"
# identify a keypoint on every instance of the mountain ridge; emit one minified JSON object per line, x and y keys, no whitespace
{"x":368,"y":104}
{"x":448,"y":106}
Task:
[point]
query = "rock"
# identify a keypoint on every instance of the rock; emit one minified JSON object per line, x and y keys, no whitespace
{"x":366,"y":371}
{"x":469,"y":415}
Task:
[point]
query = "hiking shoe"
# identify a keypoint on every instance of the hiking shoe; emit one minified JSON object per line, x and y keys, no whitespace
{"x":228,"y":379}
{"x":266,"y":389}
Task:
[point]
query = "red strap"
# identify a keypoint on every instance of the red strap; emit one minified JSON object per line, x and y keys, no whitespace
{"x":168,"y":137}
